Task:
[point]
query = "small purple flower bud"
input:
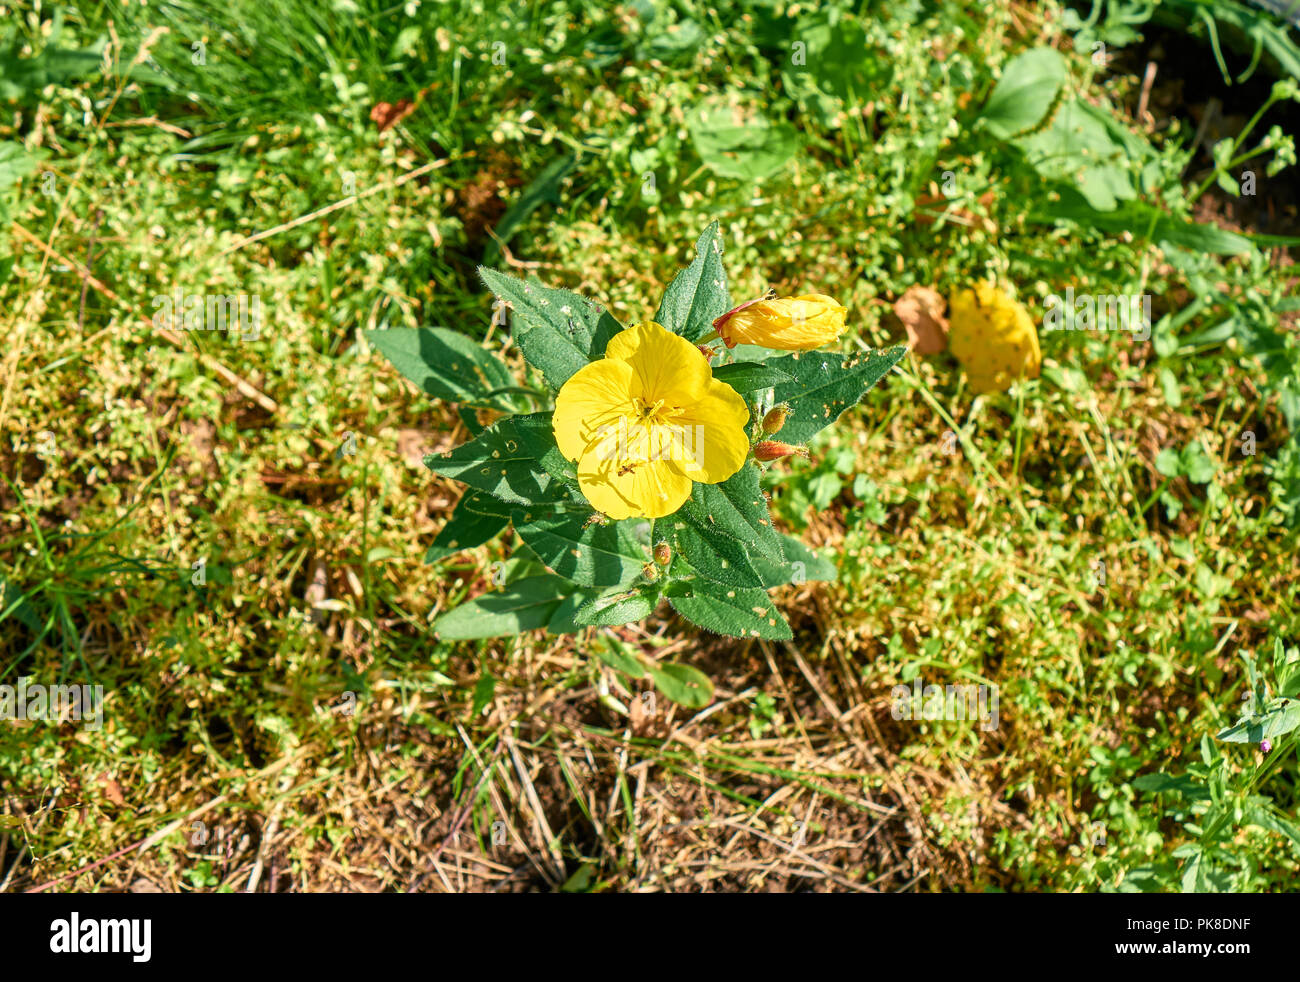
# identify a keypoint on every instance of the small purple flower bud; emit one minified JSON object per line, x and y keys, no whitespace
{"x":1265,"y":746}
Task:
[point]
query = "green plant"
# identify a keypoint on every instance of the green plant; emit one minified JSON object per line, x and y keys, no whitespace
{"x":713,"y":560}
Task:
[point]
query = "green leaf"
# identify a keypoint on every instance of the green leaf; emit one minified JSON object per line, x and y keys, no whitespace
{"x":1169,"y":386}
{"x":1029,"y":85}
{"x":798,"y":565}
{"x":1197,"y":464}
{"x":1169,"y":463}
{"x":750,"y":376}
{"x":1077,"y":147}
{"x":558,"y":331}
{"x":736,"y":507}
{"x":447,"y":365}
{"x":15,"y":163}
{"x":824,"y":488}
{"x":505,"y":460}
{"x":522,"y":606}
{"x":825,"y":384}
{"x":589,"y":555}
{"x":698,"y":295}
{"x":843,"y":61}
{"x":734,"y":143}
{"x":734,"y":611}
{"x":544,"y":188}
{"x":683,"y":684}
{"x":478,"y":518}
{"x":483,"y":693}
{"x":582,"y":880}
{"x":615,"y":609}
{"x":1180,"y":784}
{"x":1290,"y":684}
{"x":14,"y":603}
{"x":22,"y":75}
{"x":714,"y":555}
{"x":1139,"y":218}
{"x":1281,"y":719}
{"x":618,"y":656}
{"x":564,"y":619}
{"x":1265,"y":818}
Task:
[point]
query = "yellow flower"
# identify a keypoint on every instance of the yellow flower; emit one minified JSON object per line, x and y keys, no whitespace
{"x":646,"y":421}
{"x":993,"y":337}
{"x":788,"y":323}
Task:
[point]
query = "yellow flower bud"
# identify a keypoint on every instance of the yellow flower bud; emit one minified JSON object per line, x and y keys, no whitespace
{"x":663,"y":553}
{"x":993,"y":337}
{"x":787,"y":323}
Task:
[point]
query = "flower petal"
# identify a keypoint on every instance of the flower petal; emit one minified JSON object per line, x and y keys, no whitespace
{"x":789,"y":323}
{"x":595,"y":396}
{"x":716,"y":427}
{"x":665,"y":366}
{"x":643,"y":489}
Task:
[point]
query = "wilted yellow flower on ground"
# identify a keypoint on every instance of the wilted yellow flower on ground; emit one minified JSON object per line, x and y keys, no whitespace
{"x":788,"y":323}
{"x":646,"y":421}
{"x":993,"y":337}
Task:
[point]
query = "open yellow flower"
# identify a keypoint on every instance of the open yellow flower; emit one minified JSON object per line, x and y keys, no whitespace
{"x":787,"y":323}
{"x":993,"y":337}
{"x":646,"y":421}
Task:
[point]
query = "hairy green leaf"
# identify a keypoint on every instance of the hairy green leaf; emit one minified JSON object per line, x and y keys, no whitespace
{"x":748,"y":376}
{"x":590,"y":555}
{"x":558,"y":331}
{"x":522,"y":606}
{"x":698,"y":295}
{"x":478,"y":518}
{"x":734,"y":611}
{"x":450,"y":366}
{"x":738,"y":508}
{"x":505,"y":460}
{"x":825,"y":384}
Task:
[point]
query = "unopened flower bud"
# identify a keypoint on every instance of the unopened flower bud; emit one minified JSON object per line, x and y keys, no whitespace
{"x":1265,"y":746}
{"x":663,"y":554}
{"x":766,"y":450}
{"x":789,"y":323}
{"x":650,"y":572}
{"x":775,"y":418}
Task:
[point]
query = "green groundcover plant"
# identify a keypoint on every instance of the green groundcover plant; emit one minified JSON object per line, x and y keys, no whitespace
{"x":581,"y":489}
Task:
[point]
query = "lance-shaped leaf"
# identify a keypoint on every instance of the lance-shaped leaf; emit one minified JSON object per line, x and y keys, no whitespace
{"x":698,"y":295}
{"x":590,"y":555}
{"x":450,"y":366}
{"x":614,"y":609}
{"x":1280,"y":719}
{"x":618,"y":655}
{"x":749,"y":376}
{"x":505,"y":460}
{"x":522,"y":606}
{"x":738,"y":508}
{"x":798,"y":565}
{"x":825,"y":384}
{"x":477,"y":519}
{"x":735,"y":611}
{"x":558,"y":331}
